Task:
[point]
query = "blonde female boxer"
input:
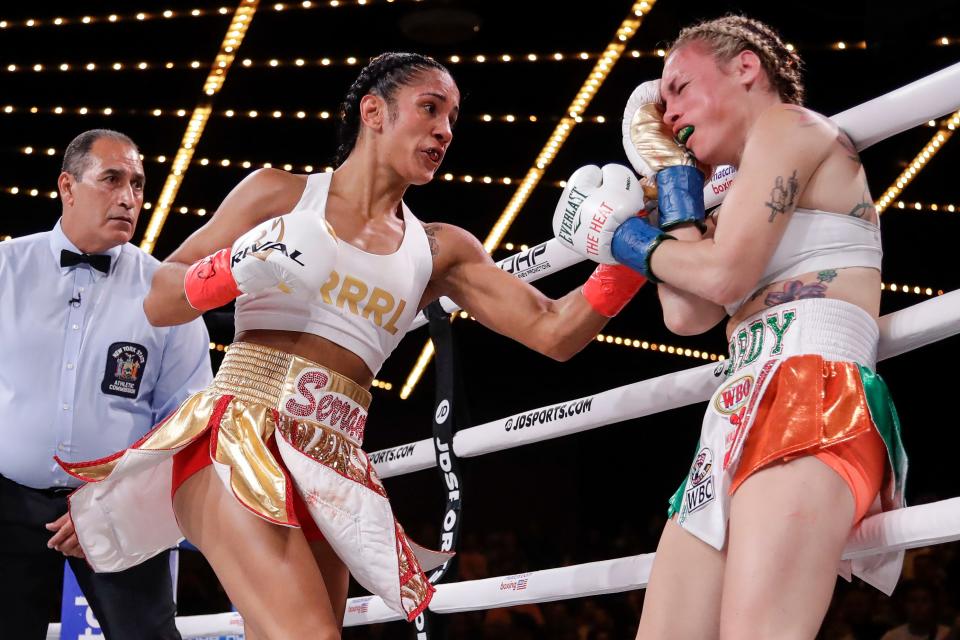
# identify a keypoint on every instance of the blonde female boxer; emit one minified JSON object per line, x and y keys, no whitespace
{"x":800,"y":440}
{"x":264,"y":471}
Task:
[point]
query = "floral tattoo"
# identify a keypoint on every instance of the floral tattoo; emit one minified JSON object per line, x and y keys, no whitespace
{"x":797,"y":290}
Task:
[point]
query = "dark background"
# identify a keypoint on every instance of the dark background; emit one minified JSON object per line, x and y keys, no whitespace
{"x":555,"y":494}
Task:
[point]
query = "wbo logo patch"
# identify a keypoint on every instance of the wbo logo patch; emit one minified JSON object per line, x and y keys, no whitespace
{"x":734,"y":396}
{"x":126,"y":362}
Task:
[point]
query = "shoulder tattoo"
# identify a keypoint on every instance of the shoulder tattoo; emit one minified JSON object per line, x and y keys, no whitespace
{"x":431,"y":230}
{"x":851,"y":150}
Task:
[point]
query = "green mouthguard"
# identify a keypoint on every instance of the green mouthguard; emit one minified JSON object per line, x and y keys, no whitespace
{"x":685,"y":133}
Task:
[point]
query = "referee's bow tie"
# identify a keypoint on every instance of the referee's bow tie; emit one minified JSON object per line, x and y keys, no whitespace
{"x":72,"y":259}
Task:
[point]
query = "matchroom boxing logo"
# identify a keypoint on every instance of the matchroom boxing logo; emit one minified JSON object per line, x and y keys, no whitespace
{"x":722,"y":178}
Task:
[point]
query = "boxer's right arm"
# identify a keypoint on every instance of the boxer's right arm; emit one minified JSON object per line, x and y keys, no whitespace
{"x":684,"y":313}
{"x":264,"y":194}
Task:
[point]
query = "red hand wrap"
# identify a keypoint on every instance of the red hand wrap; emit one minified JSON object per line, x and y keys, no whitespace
{"x":209,"y":283}
{"x":611,"y":287}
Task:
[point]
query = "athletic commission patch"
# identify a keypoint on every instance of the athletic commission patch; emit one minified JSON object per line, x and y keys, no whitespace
{"x":126,"y":362}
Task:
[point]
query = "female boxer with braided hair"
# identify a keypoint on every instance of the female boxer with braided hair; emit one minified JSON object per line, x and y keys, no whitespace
{"x":329,"y":271}
{"x":802,"y":434}
{"x":800,"y":440}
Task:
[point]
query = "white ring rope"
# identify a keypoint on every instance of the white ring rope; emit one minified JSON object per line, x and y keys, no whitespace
{"x":900,"y":332}
{"x":913,"y":104}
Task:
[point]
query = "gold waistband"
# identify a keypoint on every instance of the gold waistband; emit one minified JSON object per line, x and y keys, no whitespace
{"x":260,"y":374}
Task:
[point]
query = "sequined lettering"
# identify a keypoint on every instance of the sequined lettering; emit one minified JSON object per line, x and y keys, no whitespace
{"x":780,"y":329}
{"x":319,"y":381}
{"x":742,"y":343}
{"x":323,"y":407}
{"x":338,"y":414}
{"x":756,"y":342}
{"x":747,"y":345}
{"x":350,"y":422}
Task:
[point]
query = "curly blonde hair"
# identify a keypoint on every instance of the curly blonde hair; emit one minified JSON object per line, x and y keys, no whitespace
{"x":732,"y":34}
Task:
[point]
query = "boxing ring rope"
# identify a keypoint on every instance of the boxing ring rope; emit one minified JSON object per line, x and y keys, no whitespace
{"x":902,"y":331}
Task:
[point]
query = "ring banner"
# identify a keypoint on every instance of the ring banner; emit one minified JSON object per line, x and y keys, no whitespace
{"x":77,"y":620}
{"x":446,"y":420}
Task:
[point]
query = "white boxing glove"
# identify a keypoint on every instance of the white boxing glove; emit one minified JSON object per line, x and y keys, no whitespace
{"x":294,"y":253}
{"x":646,"y":100}
{"x":593,"y":204}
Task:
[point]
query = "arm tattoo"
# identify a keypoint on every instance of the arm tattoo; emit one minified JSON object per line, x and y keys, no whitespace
{"x":849,"y":147}
{"x":782,"y":196}
{"x":797,"y":290}
{"x":865,"y":208}
{"x":431,"y":231}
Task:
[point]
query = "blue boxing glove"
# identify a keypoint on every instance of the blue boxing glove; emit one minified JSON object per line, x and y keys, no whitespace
{"x":633,"y":244}
{"x":653,"y":151}
{"x":680,"y":197}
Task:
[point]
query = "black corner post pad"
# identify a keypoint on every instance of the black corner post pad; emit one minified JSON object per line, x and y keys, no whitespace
{"x":429,"y":626}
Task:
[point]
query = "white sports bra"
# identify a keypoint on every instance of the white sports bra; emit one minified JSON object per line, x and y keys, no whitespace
{"x":817,"y":240}
{"x":369,"y":301}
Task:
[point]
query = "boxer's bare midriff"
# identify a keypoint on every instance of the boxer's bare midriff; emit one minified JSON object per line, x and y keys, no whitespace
{"x":857,"y":285}
{"x":320,"y":350}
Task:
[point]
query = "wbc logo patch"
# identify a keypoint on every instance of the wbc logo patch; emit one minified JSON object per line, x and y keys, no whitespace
{"x":126,"y":362}
{"x":700,"y":491}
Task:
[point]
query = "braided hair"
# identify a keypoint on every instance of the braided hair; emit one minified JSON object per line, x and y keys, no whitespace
{"x":381,"y":77}
{"x":732,"y":34}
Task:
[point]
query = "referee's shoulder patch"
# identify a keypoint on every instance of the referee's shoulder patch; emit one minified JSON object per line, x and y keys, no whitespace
{"x":126,"y":362}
